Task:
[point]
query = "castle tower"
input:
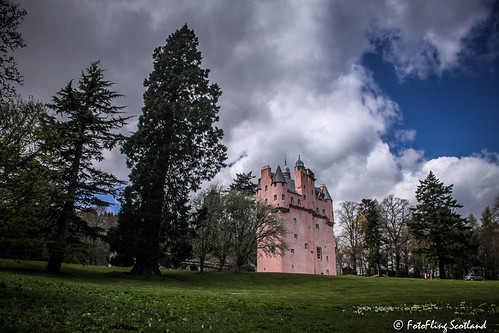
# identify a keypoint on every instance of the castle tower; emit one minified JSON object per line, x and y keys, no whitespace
{"x":308,"y":213}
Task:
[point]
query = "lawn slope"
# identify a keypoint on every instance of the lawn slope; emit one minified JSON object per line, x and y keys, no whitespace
{"x":89,"y":298}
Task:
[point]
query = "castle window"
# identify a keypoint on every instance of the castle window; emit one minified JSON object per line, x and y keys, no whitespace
{"x":292,"y":251}
{"x":304,"y":186}
{"x":283,"y":197}
{"x":275,"y":184}
{"x":282,"y":184}
{"x":327,"y":271}
{"x":323,"y":212}
{"x":294,"y":220}
{"x":275,"y":197}
{"x":317,"y":210}
{"x":266,"y":188}
{"x":306,"y":246}
{"x":292,"y":200}
{"x":316,"y":227}
{"x":266,"y":201}
{"x":299,"y":202}
{"x":296,"y":236}
{"x":292,"y":266}
{"x":319,"y":253}
{"x":327,"y":258}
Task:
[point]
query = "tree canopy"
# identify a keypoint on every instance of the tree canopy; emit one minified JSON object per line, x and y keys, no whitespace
{"x":175,"y":148}
{"x":436,"y":225}
{"x":86,"y":125}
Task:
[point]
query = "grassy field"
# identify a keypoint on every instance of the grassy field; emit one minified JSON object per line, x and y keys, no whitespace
{"x":89,"y":298}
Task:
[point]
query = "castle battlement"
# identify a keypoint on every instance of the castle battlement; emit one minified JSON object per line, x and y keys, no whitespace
{"x":308,"y":213}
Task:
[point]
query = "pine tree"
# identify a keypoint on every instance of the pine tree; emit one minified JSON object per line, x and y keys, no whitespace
{"x":87,"y":125}
{"x":174,"y":149}
{"x":440,"y":231}
{"x":243,"y":182}
{"x":369,"y":209}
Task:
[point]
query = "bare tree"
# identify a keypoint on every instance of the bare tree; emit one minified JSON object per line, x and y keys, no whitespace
{"x":207,"y":220}
{"x":395,"y":213}
{"x":98,"y":247}
{"x":10,"y":39}
{"x":352,"y":236}
{"x":254,"y":225}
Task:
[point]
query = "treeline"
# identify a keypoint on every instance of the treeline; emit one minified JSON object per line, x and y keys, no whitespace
{"x":392,"y":238}
{"x":51,"y":192}
{"x":225,"y":226}
{"x":50,"y":185}
{"x":49,"y":182}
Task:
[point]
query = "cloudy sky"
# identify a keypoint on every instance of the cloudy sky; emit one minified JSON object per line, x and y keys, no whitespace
{"x":372,"y":94}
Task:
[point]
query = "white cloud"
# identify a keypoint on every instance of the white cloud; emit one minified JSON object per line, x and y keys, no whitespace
{"x":336,"y":117}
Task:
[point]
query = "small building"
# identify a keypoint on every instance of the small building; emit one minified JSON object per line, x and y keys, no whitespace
{"x":308,"y":213}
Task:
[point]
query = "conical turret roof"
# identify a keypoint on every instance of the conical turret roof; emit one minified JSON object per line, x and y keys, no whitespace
{"x":278,"y":176}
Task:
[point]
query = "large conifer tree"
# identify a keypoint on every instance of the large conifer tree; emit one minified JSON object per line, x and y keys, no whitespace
{"x":439,"y":230}
{"x":86,"y":126}
{"x":369,"y":209}
{"x":174,"y":149}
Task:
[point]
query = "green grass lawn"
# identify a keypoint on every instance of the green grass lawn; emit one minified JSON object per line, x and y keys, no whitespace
{"x":89,"y":298}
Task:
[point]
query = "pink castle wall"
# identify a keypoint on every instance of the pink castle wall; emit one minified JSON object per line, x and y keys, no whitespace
{"x":309,"y":223}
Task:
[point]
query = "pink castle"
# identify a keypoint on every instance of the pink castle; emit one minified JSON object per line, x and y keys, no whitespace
{"x":308,"y":213}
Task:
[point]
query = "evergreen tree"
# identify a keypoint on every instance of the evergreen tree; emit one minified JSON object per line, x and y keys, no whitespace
{"x":243,"y":182}
{"x":174,"y":149}
{"x":369,"y":209}
{"x":87,"y":125}
{"x":440,"y":231}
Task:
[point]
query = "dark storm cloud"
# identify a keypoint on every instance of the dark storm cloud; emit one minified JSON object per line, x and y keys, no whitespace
{"x":289,"y":74}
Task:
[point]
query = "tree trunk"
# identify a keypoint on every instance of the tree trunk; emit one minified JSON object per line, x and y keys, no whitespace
{"x":146,"y":268}
{"x":57,"y":255}
{"x":397,"y":262}
{"x":441,"y":269}
{"x":222,"y":262}
{"x":201,"y":263}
